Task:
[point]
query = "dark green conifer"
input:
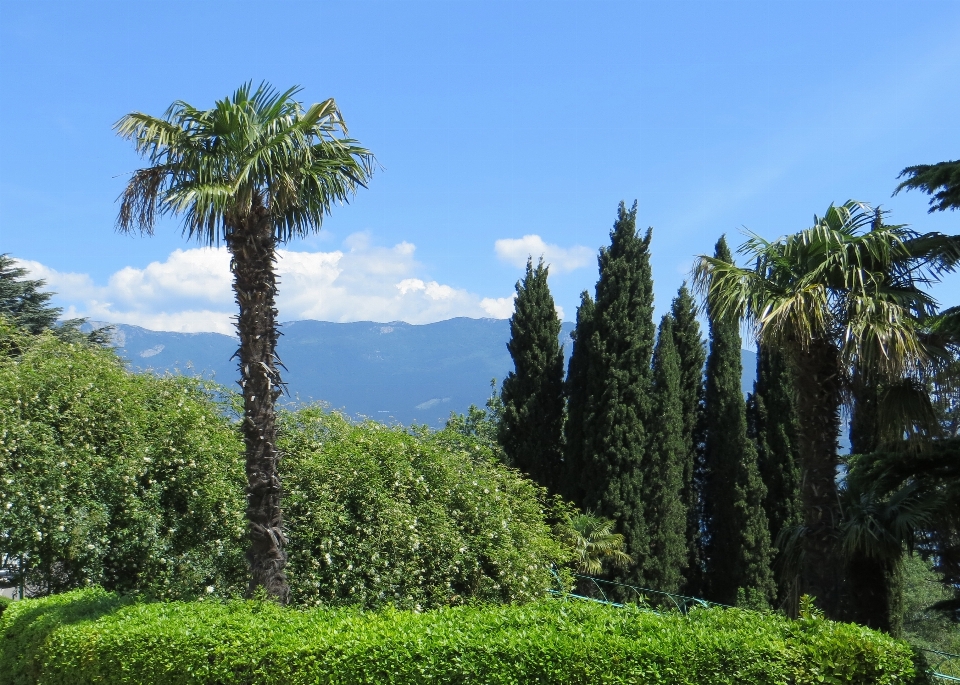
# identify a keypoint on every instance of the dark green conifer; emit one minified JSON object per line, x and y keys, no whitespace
{"x":23,"y":301}
{"x":772,"y":423}
{"x":531,"y":424}
{"x":738,"y":551}
{"x":692,"y":355}
{"x":576,"y":391}
{"x":610,"y":388}
{"x":666,"y":514}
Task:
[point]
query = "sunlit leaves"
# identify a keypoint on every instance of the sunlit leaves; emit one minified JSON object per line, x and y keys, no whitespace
{"x":257,"y":146}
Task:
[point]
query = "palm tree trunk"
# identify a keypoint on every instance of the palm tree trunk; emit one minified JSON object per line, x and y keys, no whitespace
{"x":818,"y":411}
{"x":870,"y":600}
{"x":253,"y":247}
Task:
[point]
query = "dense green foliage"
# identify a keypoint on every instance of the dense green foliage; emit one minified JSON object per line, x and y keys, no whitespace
{"x":27,"y":306}
{"x":135,"y":483}
{"x":128,"y":481}
{"x":377,"y":515}
{"x":595,"y":545}
{"x":941,"y":181}
{"x":844,"y":299}
{"x":531,"y":425}
{"x":665,"y":514}
{"x":481,"y":425}
{"x":575,"y":386}
{"x":92,"y":636}
{"x":738,"y":537}
{"x":923,"y":624}
{"x":772,"y":424}
{"x":692,"y":356}
{"x":611,"y":378}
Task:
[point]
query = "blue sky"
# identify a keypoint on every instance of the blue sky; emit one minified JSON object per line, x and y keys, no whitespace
{"x":502,"y":128}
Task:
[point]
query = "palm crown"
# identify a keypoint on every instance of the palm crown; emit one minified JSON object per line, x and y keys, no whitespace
{"x":850,"y":279}
{"x":257,"y":149}
{"x":593,"y":542}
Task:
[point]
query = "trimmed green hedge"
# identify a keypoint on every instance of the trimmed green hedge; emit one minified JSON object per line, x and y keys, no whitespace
{"x":93,"y":636}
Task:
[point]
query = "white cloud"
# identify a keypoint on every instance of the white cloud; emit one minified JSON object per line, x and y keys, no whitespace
{"x":191,"y":290}
{"x":499,"y":308}
{"x":515,"y":251}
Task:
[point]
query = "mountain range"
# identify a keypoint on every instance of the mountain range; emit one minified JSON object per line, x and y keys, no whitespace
{"x":391,"y":372}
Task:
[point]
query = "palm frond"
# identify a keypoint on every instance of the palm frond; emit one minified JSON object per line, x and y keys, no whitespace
{"x":257,"y":146}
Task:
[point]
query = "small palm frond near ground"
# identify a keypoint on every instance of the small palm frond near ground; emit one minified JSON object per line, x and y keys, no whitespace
{"x":594,"y":543}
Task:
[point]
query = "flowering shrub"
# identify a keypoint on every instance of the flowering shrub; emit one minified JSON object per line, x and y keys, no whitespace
{"x":379,"y":515}
{"x":135,"y":483}
{"x":128,"y":481}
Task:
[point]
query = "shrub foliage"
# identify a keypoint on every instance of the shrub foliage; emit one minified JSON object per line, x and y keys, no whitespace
{"x":93,"y":636}
{"x":379,"y":515}
{"x":127,"y":481}
{"x":135,"y":483}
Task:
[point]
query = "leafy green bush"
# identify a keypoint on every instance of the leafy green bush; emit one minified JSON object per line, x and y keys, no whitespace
{"x":128,"y":481}
{"x":378,"y":515}
{"x":4,"y":603}
{"x":135,"y":483}
{"x":92,"y":636}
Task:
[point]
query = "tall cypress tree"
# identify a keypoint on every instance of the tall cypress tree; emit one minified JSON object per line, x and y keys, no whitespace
{"x":666,"y":514}
{"x":738,"y":551}
{"x":577,"y":405}
{"x":692,"y":356}
{"x":610,"y":388}
{"x":531,"y":423}
{"x":772,"y":423}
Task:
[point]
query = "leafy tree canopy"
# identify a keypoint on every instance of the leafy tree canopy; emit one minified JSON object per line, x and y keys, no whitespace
{"x":942,"y":181}
{"x":27,"y":305}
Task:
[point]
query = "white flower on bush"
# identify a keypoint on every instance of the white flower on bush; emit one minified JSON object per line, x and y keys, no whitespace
{"x":210,"y":589}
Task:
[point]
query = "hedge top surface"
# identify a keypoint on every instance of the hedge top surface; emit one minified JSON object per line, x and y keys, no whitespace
{"x":95,"y":636}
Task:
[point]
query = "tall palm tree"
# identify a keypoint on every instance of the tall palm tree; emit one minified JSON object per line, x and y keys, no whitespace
{"x":254,"y":171}
{"x":844,"y":294}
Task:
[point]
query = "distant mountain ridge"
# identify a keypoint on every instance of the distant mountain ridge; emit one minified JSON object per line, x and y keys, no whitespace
{"x":391,"y":372}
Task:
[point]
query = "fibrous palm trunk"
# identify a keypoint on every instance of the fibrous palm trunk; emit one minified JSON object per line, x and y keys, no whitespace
{"x":870,"y":599}
{"x":252,"y":245}
{"x":819,"y":386}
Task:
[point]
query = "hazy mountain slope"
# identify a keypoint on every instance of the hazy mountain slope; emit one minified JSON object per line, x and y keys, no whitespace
{"x":389,"y":372}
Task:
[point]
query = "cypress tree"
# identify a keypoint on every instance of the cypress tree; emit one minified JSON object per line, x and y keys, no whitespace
{"x":692,"y":356}
{"x":666,"y":514}
{"x":531,"y":422}
{"x":772,"y":422}
{"x":611,"y":389}
{"x":576,"y":392}
{"x":738,"y":551}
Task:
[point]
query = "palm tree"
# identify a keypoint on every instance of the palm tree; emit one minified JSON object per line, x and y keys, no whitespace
{"x":254,"y":171}
{"x":593,"y":542}
{"x":843,"y":295}
{"x":873,"y":535}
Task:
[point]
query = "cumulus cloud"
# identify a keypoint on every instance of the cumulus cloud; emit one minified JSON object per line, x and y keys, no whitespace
{"x":191,"y":290}
{"x":561,"y":259}
{"x":500,"y":307}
